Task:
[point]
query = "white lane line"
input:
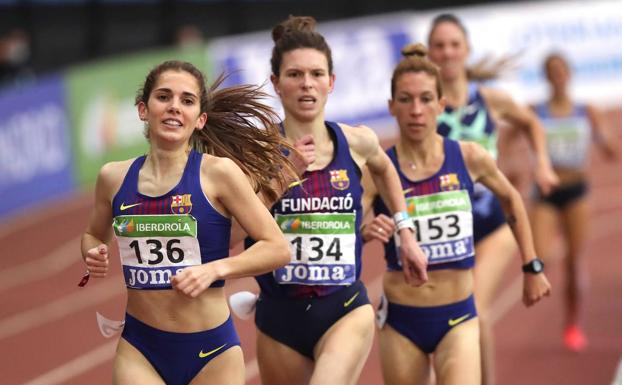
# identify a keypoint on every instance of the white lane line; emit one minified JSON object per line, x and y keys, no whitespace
{"x":83,"y":298}
{"x":617,"y":377}
{"x":77,"y":366}
{"x":29,"y":217}
{"x":91,"y":295}
{"x":506,"y":300}
{"x":58,"y":260}
{"x":513,"y":293}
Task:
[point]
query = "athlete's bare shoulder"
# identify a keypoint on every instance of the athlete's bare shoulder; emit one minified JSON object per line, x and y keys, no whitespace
{"x":477,"y":159}
{"x":495,"y":97}
{"x":221,"y":174}
{"x":362,"y":139}
{"x":111,"y":174}
{"x":217,"y":167}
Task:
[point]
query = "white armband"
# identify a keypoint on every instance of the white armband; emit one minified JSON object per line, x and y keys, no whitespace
{"x":400,"y":216}
{"x":406,"y":224}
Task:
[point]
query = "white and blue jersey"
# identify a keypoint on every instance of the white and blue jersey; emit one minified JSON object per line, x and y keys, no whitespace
{"x":568,"y":138}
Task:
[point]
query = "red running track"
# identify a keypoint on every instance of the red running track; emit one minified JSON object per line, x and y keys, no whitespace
{"x":49,"y":335}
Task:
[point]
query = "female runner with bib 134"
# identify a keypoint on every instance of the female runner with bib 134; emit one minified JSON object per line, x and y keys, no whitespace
{"x":314,"y":318}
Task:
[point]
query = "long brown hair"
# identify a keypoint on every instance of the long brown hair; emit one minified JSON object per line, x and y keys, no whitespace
{"x":239,"y":126}
{"x":297,"y":32}
{"x":487,"y":68}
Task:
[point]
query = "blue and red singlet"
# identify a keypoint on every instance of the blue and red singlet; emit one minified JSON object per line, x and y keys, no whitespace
{"x":160,"y":236}
{"x":440,"y":206}
{"x":320,"y":217}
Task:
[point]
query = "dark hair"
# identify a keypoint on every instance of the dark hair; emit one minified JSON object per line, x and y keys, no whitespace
{"x":415,"y":61}
{"x":239,"y":127}
{"x":555,"y":56}
{"x":297,"y":32}
{"x":447,"y":18}
{"x":485,"y":69}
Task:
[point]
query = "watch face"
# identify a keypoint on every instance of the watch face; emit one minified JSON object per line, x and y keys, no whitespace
{"x":537,"y":265}
{"x":534,"y":266}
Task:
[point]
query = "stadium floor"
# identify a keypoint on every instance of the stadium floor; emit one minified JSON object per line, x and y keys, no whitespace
{"x":49,"y":334}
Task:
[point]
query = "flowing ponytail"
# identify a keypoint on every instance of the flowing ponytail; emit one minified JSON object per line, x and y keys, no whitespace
{"x":239,"y":126}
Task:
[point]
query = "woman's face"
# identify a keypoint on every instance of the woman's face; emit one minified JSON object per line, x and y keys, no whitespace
{"x":304,"y":83}
{"x":416,"y":105}
{"x":557,"y":73}
{"x":173,"y":110}
{"x":449,"y":49}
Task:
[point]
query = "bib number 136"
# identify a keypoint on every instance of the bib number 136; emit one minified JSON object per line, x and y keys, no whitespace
{"x":157,"y":251}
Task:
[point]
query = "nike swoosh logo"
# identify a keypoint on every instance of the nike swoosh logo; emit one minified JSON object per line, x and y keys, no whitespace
{"x":124,"y":207}
{"x":407,"y":190}
{"x":296,"y":183}
{"x":456,"y":321}
{"x":349,"y":302}
{"x":203,"y":355}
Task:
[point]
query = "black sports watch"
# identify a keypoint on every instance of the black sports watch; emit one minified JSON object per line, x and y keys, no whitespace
{"x":535,"y":266}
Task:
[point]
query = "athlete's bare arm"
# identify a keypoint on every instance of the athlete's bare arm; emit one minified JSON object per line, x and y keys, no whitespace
{"x":602,"y":136}
{"x":504,"y":107}
{"x":99,"y":231}
{"x":300,"y":159}
{"x":365,"y":145}
{"x":229,"y":190}
{"x":483,"y":169}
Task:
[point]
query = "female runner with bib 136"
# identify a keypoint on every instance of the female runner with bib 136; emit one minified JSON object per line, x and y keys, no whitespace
{"x":171,"y":212}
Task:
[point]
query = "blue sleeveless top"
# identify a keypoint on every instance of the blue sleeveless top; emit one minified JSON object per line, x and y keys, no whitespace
{"x":160,"y":236}
{"x":440,"y":206}
{"x":568,"y":137}
{"x":471,"y":123}
{"x":320,"y":217}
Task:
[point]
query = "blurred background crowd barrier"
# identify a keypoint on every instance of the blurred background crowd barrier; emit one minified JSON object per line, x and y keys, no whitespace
{"x":58,"y":129}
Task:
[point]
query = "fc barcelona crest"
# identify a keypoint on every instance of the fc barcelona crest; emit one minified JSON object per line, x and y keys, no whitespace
{"x":449,"y":182}
{"x":181,"y":204}
{"x":339,"y":179}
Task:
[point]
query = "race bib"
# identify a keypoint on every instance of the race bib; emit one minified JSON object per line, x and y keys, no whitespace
{"x":322,"y":247}
{"x":444,"y":225}
{"x":568,"y":140}
{"x":153,"y":248}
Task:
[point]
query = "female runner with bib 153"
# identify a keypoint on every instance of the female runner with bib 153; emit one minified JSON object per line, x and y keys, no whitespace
{"x":171,"y":213}
{"x":437,"y":176}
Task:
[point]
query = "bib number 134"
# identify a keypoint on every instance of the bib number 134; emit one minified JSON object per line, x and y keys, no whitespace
{"x":314,"y":249}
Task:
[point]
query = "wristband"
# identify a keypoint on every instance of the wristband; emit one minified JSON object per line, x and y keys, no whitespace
{"x":400,"y":216}
{"x":406,"y":224}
